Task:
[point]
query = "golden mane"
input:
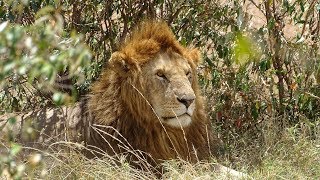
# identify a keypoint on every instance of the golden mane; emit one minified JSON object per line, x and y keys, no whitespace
{"x":147,"y":40}
{"x":120,"y":116}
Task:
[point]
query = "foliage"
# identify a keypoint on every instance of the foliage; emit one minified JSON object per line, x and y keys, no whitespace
{"x":252,"y":77}
{"x":34,"y":56}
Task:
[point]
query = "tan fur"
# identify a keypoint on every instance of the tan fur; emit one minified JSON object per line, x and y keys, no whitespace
{"x":120,"y":99}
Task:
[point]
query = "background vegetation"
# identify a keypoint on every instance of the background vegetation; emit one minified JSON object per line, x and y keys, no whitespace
{"x":262,"y":85}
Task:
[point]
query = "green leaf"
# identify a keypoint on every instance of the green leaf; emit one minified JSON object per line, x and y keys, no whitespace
{"x":183,"y":41}
{"x":245,"y":50}
{"x":310,"y":106}
{"x":15,"y":149}
{"x":254,"y":111}
{"x":271,"y":24}
{"x":22,"y":70}
{"x":58,"y":98}
{"x":48,"y":70}
{"x":3,"y":25}
{"x":265,"y":65}
{"x":9,"y":66}
{"x":12,"y":120}
{"x":44,"y":11}
{"x":301,"y":6}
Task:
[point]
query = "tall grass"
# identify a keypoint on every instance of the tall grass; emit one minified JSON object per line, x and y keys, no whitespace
{"x":295,"y":154}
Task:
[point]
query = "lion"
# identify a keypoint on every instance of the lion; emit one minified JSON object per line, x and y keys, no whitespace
{"x":149,"y":94}
{"x":147,"y":101}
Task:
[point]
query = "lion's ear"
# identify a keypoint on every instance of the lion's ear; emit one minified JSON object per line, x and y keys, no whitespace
{"x":195,"y":55}
{"x":120,"y":63}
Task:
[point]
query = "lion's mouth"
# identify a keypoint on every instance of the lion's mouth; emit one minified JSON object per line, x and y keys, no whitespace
{"x":182,"y":120}
{"x":172,"y":117}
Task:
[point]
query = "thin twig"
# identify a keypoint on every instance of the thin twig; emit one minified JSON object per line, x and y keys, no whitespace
{"x":307,"y":16}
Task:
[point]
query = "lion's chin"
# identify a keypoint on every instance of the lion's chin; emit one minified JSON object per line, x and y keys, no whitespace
{"x":179,"y":122}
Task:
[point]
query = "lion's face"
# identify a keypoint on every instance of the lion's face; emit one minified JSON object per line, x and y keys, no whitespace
{"x":169,"y":87}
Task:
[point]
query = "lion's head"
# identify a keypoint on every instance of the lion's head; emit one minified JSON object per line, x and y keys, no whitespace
{"x":161,"y":73}
{"x":149,"y":95}
{"x":169,"y":79}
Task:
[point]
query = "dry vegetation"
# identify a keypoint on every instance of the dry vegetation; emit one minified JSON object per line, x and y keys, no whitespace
{"x":290,"y":157}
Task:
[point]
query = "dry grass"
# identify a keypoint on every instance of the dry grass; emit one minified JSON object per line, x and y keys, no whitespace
{"x":291,"y":156}
{"x":289,"y":153}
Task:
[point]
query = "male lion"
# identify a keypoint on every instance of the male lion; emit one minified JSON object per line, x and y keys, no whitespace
{"x":146,"y":102}
{"x":150,"y":96}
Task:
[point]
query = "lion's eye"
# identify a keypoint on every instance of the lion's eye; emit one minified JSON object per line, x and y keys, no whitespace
{"x":188,"y":74}
{"x":161,"y":75}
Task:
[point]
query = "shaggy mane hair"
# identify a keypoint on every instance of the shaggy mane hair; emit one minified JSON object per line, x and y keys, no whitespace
{"x":120,"y":117}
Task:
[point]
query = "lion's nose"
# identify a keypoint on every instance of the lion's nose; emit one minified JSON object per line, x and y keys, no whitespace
{"x":186,"y":102}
